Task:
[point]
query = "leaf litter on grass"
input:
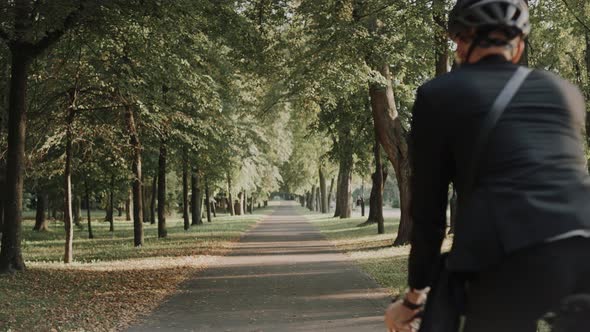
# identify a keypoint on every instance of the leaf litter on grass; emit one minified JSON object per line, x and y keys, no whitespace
{"x":113,"y":284}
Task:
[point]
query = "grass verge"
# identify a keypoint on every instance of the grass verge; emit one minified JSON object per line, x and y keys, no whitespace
{"x":111,"y":284}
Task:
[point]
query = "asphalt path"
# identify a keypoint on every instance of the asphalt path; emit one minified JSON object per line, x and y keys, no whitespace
{"x":282,"y":276}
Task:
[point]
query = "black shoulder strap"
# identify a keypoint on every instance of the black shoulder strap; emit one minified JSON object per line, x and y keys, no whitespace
{"x":498,"y":108}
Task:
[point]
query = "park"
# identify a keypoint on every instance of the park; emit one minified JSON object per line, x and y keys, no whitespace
{"x":223,"y":165}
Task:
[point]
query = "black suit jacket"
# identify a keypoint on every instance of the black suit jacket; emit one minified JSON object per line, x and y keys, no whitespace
{"x":532,"y":182}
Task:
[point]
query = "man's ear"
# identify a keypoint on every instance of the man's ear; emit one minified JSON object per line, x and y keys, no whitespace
{"x":520,"y":46}
{"x":461,"y":52}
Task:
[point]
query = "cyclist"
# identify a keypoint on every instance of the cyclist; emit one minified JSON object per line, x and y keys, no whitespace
{"x":523,"y":232}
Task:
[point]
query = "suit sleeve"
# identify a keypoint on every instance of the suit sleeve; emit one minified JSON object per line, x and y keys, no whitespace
{"x":431,"y":173}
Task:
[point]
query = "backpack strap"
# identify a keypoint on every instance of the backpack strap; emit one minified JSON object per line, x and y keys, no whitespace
{"x":490,"y":122}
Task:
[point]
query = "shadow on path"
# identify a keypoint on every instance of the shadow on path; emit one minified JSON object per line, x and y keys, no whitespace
{"x":282,"y":276}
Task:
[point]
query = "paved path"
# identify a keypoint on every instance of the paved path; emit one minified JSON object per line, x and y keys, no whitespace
{"x":282,"y":276}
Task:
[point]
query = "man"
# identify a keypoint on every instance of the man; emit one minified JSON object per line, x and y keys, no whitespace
{"x":522,"y":233}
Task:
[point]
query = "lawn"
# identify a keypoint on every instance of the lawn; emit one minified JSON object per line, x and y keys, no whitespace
{"x":111,"y":283}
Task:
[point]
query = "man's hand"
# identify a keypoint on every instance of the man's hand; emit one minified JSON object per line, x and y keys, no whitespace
{"x":401,"y":318}
{"x":398,"y":317}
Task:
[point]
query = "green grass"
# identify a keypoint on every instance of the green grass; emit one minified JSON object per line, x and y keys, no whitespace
{"x":94,"y":214}
{"x":209,"y":239}
{"x":111,"y":283}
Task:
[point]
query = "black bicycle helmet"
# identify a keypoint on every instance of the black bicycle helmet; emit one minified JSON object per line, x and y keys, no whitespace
{"x":509,"y":16}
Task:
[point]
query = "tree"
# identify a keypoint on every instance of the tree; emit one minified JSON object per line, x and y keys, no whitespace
{"x":323,"y":192}
{"x":185,"y":193}
{"x":162,"y":232}
{"x":19,"y":15}
{"x":136,"y":182}
{"x":40,"y":217}
{"x":376,"y":199}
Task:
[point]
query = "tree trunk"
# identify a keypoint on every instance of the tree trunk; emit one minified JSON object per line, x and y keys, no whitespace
{"x":68,"y":255}
{"x":148,"y":193}
{"x":338,"y":208}
{"x":208,"y":201}
{"x":240,"y":211}
{"x":185,"y":210}
{"x":196,"y":199}
{"x":312,"y":199}
{"x":200,"y":200}
{"x":373,"y":205}
{"x":76,"y":211}
{"x":330,"y":195}
{"x":87,"y":194}
{"x":405,"y":226}
{"x":128,"y":206}
{"x":229,"y":194}
{"x":153,"y":192}
{"x":137,"y":185}
{"x":237,"y":206}
{"x":525,"y":55}
{"x":362,"y":202}
{"x":376,"y":200}
{"x":344,"y":198}
{"x":323,"y":193}
{"x":251,"y":204}
{"x":440,"y":39}
{"x":10,"y":251}
{"x":318,"y":199}
{"x":587,"y":52}
{"x":393,"y":137}
{"x":40,"y":220}
{"x":245,"y":203}
{"x":162,"y":232}
{"x":111,"y":205}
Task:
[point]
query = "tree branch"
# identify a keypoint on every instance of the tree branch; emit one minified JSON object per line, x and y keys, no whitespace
{"x":569,"y":8}
{"x":52,"y":37}
{"x":104,"y":108}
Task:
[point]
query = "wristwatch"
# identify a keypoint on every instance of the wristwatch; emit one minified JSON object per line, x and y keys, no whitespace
{"x":411,"y":305}
{"x":419,"y":296}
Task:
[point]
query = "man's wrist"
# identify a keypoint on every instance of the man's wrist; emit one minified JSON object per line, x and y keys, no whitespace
{"x":417,"y":296}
